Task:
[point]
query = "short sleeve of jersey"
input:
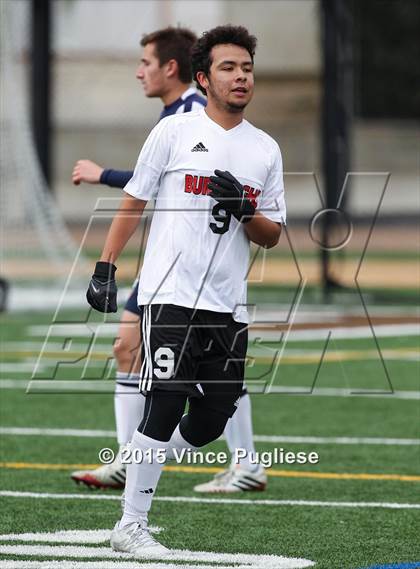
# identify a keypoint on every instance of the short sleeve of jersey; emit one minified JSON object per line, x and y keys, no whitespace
{"x":152,"y":163}
{"x":272,"y":204}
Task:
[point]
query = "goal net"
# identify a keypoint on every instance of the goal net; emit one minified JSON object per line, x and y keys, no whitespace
{"x":35,"y":243}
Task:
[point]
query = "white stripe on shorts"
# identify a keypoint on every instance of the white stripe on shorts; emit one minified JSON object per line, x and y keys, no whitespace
{"x":145,"y":366}
{"x":149,"y":327}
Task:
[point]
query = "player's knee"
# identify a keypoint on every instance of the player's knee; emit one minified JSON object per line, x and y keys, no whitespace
{"x":162,"y":413}
{"x":124,"y":352}
{"x":202,"y":425}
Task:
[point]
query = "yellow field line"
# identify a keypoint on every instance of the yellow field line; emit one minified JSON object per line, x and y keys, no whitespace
{"x":305,"y":474}
{"x":46,"y":466}
{"x":343,"y":475}
{"x":213,"y":470}
{"x":304,"y":358}
{"x":336,"y":356}
{"x":47,"y":354}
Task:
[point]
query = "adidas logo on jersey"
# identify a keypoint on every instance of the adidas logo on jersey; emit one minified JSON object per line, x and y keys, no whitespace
{"x":199,"y":148}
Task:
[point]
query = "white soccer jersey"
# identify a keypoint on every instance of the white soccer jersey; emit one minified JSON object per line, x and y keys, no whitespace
{"x":186,"y":263}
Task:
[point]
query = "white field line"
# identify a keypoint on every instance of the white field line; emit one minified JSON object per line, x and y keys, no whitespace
{"x":342,"y":333}
{"x":52,"y":346}
{"x":191,"y":500}
{"x":193,"y":559}
{"x":24,"y":431}
{"x":79,"y":546}
{"x":20,"y":367}
{"x":92,"y":433}
{"x":13,"y":383}
{"x":342,"y":392}
{"x":108,"y":386}
{"x":111,"y":330}
{"x":101,"y":386}
{"x":336,"y":440}
{"x":67,"y":536}
{"x":116,"y":563}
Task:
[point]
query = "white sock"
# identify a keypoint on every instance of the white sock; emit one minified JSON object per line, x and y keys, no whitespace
{"x":128,"y":406}
{"x":238,"y":433}
{"x":142,"y":478}
{"x":177,"y":443}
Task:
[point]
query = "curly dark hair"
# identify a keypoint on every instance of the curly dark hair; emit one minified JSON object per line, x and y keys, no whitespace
{"x":173,"y":43}
{"x":200,"y":56}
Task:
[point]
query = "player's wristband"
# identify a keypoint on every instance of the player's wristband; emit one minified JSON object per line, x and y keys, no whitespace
{"x":104,"y":271}
{"x":115,"y":178}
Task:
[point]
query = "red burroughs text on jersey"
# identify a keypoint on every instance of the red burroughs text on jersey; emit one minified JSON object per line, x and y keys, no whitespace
{"x":198,"y":185}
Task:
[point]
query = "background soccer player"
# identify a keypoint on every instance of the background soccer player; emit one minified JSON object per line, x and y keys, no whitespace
{"x":165,"y":72}
{"x":192,"y":289}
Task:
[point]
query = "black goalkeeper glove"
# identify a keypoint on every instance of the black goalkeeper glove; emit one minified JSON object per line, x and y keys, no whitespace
{"x":230,"y":193}
{"x":102,"y":291}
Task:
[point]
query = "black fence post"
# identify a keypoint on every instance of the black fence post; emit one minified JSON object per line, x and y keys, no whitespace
{"x":337,"y":112}
{"x":41,"y":82}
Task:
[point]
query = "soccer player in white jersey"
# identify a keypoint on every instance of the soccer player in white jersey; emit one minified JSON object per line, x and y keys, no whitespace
{"x":164,"y":72}
{"x":217,"y":184}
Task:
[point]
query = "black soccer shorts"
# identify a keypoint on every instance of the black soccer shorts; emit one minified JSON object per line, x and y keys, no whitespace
{"x":198,"y":352}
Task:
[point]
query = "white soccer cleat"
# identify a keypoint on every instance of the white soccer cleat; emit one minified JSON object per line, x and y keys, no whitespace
{"x":137,"y":540}
{"x":107,"y":476}
{"x":235,"y":479}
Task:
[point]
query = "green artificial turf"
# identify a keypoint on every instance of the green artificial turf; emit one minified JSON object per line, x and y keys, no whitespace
{"x":335,"y":537}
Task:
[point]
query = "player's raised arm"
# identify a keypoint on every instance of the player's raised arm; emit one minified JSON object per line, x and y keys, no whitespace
{"x":86,"y":171}
{"x":92,"y":173}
